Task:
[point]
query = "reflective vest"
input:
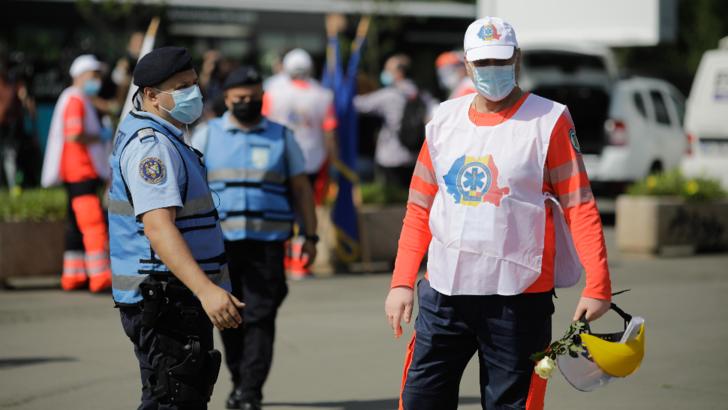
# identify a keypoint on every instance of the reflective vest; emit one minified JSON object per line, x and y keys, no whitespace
{"x":489,"y":214}
{"x":132,"y":257}
{"x":248,"y":171}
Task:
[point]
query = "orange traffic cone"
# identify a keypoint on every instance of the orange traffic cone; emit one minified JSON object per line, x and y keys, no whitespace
{"x":295,"y":260}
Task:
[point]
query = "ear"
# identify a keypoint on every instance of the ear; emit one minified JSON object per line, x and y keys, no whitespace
{"x":469,"y":70}
{"x":150,"y":96}
{"x":518,"y":63}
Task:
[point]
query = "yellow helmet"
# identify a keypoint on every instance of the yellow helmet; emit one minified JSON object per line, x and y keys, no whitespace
{"x":605,"y":356}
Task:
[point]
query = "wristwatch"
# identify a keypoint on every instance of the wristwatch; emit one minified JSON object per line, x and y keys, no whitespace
{"x":313,"y":238}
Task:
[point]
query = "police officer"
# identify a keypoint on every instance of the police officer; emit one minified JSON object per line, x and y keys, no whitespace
{"x":257,"y":169}
{"x":170,"y":277}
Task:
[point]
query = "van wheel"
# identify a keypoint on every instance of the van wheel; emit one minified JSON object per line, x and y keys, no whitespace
{"x":656,"y":168}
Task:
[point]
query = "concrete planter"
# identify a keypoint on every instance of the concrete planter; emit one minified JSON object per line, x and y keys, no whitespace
{"x":380,"y":226}
{"x":669,"y":225}
{"x":31,"y":248}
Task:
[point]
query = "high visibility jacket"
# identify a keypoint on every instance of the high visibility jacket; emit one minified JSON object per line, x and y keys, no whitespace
{"x":248,"y":172}
{"x":132,"y":257}
{"x":488,"y":216}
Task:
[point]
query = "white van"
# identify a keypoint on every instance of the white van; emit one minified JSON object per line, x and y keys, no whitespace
{"x":643,"y":132}
{"x":706,"y":120}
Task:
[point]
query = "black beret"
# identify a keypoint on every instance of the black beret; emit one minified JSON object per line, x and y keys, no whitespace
{"x":160,"y":64}
{"x":242,"y":76}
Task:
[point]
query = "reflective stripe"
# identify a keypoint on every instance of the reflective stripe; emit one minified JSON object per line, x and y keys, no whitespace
{"x":254,"y":225}
{"x":425,"y":173}
{"x":226,"y":174}
{"x":195,"y":206}
{"x":72,"y":255}
{"x":190,"y":207}
{"x":421,"y":199}
{"x":577,"y":197}
{"x":132,"y":282}
{"x":96,"y":256}
{"x":565,"y":171}
{"x":73,"y":271}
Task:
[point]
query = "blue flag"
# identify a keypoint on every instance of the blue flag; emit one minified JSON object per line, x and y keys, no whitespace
{"x":343,"y":84}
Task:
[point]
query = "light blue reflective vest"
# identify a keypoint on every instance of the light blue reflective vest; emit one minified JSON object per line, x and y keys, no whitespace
{"x":249,"y":172}
{"x":132,"y":257}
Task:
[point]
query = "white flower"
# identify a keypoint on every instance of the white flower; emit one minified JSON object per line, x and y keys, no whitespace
{"x":544,"y":367}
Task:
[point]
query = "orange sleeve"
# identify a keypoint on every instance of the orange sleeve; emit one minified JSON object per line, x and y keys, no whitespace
{"x":330,"y":122}
{"x":566,"y":178}
{"x":265,"y":109}
{"x":416,"y":235}
{"x":73,"y":117}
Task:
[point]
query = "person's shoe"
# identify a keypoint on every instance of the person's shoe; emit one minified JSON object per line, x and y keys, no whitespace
{"x":73,"y":281}
{"x":251,"y":405}
{"x":100,"y":282}
{"x":234,"y":400}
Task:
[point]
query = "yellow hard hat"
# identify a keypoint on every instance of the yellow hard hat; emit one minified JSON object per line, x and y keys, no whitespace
{"x":605,"y":356}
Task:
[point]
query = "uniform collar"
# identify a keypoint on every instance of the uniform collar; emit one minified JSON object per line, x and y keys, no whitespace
{"x":166,"y":124}
{"x":229,"y":125}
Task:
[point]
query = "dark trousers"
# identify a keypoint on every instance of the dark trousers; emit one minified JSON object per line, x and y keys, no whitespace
{"x":503,"y":330}
{"x":398,"y":177}
{"x":258,"y":280}
{"x":149,"y":351}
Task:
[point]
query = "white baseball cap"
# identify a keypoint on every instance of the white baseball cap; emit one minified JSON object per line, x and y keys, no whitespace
{"x":297,"y":62}
{"x":489,"y":37}
{"x":84,"y":63}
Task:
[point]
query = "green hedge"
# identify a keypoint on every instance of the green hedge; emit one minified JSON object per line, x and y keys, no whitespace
{"x":32,"y":205}
{"x":380,"y":194}
{"x":674,"y":183}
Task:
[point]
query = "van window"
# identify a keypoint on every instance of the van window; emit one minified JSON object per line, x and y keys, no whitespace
{"x":563,"y":61}
{"x":679,"y":107}
{"x":639,"y":103}
{"x":661,"y":114}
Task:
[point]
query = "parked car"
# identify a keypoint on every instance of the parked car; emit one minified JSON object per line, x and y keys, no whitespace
{"x":627,"y":128}
{"x":706,"y":121}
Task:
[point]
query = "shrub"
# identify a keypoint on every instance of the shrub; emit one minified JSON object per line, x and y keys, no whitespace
{"x":380,"y":194}
{"x":32,"y":205}
{"x":674,"y":183}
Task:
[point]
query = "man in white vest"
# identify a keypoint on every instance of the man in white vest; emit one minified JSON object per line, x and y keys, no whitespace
{"x":500,"y":201}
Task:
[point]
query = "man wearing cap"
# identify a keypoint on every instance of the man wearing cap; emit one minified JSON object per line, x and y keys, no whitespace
{"x":302,"y":104}
{"x":498,"y":199}
{"x":170,"y":275}
{"x":452,"y":75}
{"x":77,"y":157}
{"x":257,"y":170}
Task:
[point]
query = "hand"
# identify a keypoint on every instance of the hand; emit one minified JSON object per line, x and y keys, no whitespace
{"x":590,"y":308}
{"x":398,"y":305}
{"x":221,"y":307}
{"x":363,"y":27}
{"x":309,"y":249}
{"x":335,"y":23}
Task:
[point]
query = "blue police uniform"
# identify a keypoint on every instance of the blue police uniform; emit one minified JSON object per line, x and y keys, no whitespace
{"x":153,"y":168}
{"x":250,"y":171}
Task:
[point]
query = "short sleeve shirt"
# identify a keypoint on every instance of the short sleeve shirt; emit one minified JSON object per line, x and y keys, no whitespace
{"x":154,"y":172}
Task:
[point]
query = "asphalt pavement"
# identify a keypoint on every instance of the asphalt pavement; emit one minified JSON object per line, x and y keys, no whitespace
{"x":334,"y":351}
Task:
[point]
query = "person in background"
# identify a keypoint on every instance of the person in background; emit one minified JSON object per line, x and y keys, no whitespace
{"x":248,"y":156}
{"x":452,"y":75}
{"x":394,"y":162}
{"x":10,"y":122}
{"x":76,"y":156}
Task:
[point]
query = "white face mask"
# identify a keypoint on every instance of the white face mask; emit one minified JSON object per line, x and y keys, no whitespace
{"x":494,"y":83}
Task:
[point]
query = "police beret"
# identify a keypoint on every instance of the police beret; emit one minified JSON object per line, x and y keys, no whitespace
{"x":242,"y":76}
{"x":160,"y":64}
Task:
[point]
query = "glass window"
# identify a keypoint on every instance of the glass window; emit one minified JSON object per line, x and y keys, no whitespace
{"x":679,"y":107}
{"x":639,"y":103}
{"x":658,"y":102}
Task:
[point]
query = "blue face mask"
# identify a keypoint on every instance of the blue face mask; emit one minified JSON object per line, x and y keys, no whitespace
{"x":494,"y":83}
{"x":92,"y":87}
{"x":386,"y":78}
{"x":187,"y":104}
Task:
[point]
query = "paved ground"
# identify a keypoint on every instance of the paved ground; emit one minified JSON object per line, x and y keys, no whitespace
{"x":334,"y":351}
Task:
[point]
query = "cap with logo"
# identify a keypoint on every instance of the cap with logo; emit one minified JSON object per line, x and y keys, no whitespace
{"x":297,"y":62}
{"x":489,"y":38}
{"x":85,"y":63}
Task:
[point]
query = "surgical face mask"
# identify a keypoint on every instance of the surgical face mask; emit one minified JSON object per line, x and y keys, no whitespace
{"x":187,"y":104}
{"x":448,"y":77}
{"x":247,"y":111}
{"x":92,"y":87}
{"x":386,"y":78}
{"x":494,"y":83}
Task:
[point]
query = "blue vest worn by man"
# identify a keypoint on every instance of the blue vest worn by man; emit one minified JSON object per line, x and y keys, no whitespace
{"x":249,"y":172}
{"x":132,"y":257}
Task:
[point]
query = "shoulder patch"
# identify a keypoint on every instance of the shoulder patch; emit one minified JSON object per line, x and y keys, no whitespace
{"x":574,"y":141}
{"x":152,"y":170}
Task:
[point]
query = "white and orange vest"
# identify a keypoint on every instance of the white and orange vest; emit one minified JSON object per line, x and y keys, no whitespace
{"x":489,"y":214}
